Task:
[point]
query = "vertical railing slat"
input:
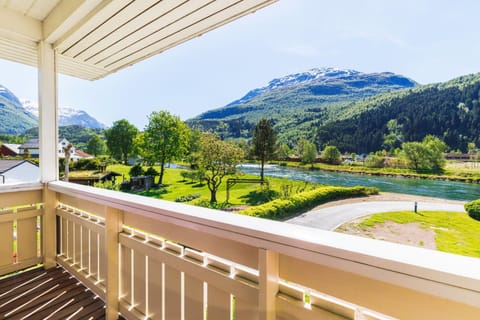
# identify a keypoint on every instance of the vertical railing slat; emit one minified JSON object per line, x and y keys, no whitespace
{"x":139,"y":282}
{"x":126,"y":274}
{"x":155,"y":289}
{"x":77,"y":243}
{"x":194,"y":298}
{"x":94,"y":255}
{"x":173,"y":293}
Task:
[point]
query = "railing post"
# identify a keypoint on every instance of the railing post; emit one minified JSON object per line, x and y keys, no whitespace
{"x":113,"y":226}
{"x":49,"y":228}
{"x":268,"y":283}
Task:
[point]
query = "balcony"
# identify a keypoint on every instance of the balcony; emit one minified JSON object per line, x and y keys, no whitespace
{"x":147,"y":258}
{"x":150,"y":259}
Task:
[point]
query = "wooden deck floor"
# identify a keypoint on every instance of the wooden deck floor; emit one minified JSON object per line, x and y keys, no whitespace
{"x":48,"y":294}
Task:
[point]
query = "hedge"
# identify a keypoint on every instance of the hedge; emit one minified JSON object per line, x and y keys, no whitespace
{"x":473,"y":209}
{"x":282,"y":208}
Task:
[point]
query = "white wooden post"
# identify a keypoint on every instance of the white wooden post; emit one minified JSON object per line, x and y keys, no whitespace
{"x":47,"y":134}
{"x":268,"y":282}
{"x":113,"y":226}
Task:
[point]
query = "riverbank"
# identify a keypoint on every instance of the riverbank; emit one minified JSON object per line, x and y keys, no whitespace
{"x":466,"y":177}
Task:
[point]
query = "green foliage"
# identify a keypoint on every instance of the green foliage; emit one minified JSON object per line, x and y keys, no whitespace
{"x":136,"y":171}
{"x":425,"y":155}
{"x":166,"y":138}
{"x":264,"y":143}
{"x":188,"y":197}
{"x":375,"y":161}
{"x":309,"y":153}
{"x":96,"y":146}
{"x":151,"y":171}
{"x":331,"y":155}
{"x":431,"y":109}
{"x":283,"y":151}
{"x":86,"y":164}
{"x":282,"y":208}
{"x":120,"y":139}
{"x":217,"y":159}
{"x":473,"y":209}
{"x":110,"y":185}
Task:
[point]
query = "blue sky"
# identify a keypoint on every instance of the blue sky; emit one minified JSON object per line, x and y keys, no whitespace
{"x":426,"y":40}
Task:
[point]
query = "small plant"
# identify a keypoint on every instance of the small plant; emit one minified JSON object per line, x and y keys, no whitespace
{"x":136,"y":171}
{"x":473,"y":209}
{"x":188,"y":197}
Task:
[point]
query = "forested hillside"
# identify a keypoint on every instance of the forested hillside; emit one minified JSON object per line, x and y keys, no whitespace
{"x":298,"y":103}
{"x":450,"y":111}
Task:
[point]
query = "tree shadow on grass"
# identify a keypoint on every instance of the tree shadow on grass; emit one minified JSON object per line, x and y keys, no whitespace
{"x":154,"y":192}
{"x":257,"y":197}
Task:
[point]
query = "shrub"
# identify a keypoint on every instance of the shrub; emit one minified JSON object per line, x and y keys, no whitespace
{"x":188,"y":197}
{"x":473,"y":209}
{"x":281,"y":208}
{"x":87,"y":164}
{"x":136,"y":171}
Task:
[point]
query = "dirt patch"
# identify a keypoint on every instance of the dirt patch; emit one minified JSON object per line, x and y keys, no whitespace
{"x":410,"y":233}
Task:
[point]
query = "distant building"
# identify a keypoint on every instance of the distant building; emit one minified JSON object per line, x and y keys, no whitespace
{"x":458,"y":156}
{"x":79,"y":154}
{"x":9,"y":150}
{"x":18,"y":171}
{"x":31,"y":147}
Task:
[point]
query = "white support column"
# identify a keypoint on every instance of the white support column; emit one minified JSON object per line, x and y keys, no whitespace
{"x":47,"y":122}
{"x":48,"y":141}
{"x":268,"y":283}
{"x":113,"y":227}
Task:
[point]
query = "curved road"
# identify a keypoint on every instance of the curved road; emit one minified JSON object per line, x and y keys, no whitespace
{"x":330,"y":217}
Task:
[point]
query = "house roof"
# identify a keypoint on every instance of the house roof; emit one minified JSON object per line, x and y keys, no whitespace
{"x":11,"y":146}
{"x":30,"y":144}
{"x":82,"y":154}
{"x":93,"y":38}
{"x":6,"y":165}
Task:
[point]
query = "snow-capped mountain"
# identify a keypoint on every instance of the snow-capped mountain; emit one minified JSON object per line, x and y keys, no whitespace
{"x":67,"y":116}
{"x":14,"y":119}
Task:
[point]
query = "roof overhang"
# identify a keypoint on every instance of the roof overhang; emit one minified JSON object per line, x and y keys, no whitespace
{"x":93,"y":38}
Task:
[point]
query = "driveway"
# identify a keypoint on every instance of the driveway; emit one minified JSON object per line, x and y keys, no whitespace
{"x":332,"y":216}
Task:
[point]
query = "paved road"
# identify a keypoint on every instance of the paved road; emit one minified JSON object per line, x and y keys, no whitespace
{"x":330,"y":218}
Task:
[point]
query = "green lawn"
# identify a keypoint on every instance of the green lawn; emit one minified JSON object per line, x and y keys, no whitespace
{"x":455,"y":232}
{"x":240,"y":194}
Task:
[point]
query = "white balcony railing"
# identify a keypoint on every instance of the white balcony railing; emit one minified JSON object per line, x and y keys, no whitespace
{"x":154,"y":259}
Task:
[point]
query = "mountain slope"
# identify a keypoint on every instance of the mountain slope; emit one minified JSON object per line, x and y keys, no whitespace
{"x":299,"y":102}
{"x":68,"y":116}
{"x":14,"y":119}
{"x":449,"y":110}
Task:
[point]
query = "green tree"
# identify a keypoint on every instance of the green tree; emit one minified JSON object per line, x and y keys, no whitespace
{"x":309,"y":153}
{"x":264,"y":142}
{"x":425,"y":155}
{"x":217,"y":159}
{"x":120,"y":139}
{"x":166,"y":139}
{"x":96,"y":146}
{"x":331,"y":154}
{"x":283,"y":151}
{"x":394,"y":138}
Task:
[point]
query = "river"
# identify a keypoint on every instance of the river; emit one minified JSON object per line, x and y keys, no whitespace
{"x":431,"y":188}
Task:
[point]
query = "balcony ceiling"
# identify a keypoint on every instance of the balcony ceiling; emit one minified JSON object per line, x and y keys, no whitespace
{"x":93,"y":38}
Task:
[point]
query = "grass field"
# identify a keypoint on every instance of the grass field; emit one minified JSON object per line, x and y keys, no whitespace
{"x":454,"y":232}
{"x":240,"y":194}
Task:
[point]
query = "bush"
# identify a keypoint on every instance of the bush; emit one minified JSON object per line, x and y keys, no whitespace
{"x":188,"y":197}
{"x":87,"y":164}
{"x":136,"y":171}
{"x":282,"y":208}
{"x":473,"y":209}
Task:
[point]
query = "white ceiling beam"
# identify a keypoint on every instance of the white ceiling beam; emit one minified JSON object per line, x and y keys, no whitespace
{"x":65,"y":16}
{"x":15,"y":25}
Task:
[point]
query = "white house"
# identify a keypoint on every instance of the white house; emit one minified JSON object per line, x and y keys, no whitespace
{"x":32,"y":146}
{"x":18,"y":171}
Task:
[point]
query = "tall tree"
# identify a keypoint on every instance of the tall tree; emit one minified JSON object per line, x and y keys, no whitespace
{"x":264,"y":143}
{"x":166,"y":139}
{"x":309,"y":153}
{"x":217,"y":159}
{"x":96,"y":146}
{"x":120,"y":139}
{"x":425,"y":155}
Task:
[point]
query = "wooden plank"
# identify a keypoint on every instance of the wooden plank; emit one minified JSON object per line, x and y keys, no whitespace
{"x":194,"y":298}
{"x":173,"y":293}
{"x":102,"y":267}
{"x":94,"y":256}
{"x":90,"y":224}
{"x":64,"y":237}
{"x":70,"y":240}
{"x":77,"y":245}
{"x":246,"y":311}
{"x":294,"y":309}
{"x":140,"y":277}
{"x":82,"y":205}
{"x":126,"y":288}
{"x":215,"y":245}
{"x":155,"y":289}
{"x":27,"y":239}
{"x":19,"y":198}
{"x":219,"y":304}
{"x":85,"y":258}
{"x":111,"y":261}
{"x":6,"y":243}
{"x":21,"y":214}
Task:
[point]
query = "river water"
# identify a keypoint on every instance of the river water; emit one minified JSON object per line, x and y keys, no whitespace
{"x":432,"y":188}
